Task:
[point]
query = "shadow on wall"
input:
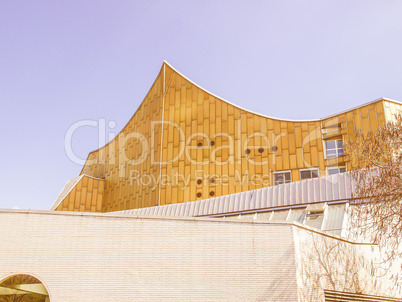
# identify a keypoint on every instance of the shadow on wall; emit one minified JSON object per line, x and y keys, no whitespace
{"x":326,"y":263}
{"x":287,"y":270}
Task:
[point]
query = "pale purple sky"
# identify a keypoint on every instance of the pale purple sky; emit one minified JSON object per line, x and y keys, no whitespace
{"x":66,"y":61}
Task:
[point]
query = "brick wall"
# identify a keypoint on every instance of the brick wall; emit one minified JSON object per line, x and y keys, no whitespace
{"x":108,"y":257}
{"x":100,"y":257}
{"x":325,"y":262}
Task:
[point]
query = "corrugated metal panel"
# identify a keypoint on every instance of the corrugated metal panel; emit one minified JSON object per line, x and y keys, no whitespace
{"x":192,"y":208}
{"x":147,"y":211}
{"x":322,"y":189}
{"x":183,"y":209}
{"x":164,"y":210}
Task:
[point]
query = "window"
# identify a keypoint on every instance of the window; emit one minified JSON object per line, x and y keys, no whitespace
{"x":247,"y":216}
{"x":336,"y":170}
{"x":333,"y":221}
{"x":264,"y":215}
{"x":309,"y":173}
{"x":281,"y":178}
{"x":334,"y":148}
{"x":315,"y":214}
{"x":279,"y":215}
{"x":297,"y":215}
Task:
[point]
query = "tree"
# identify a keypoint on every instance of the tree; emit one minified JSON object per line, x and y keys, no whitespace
{"x":377,"y":186}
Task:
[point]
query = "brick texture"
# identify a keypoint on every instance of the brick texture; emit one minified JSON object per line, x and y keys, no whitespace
{"x":96,"y":257}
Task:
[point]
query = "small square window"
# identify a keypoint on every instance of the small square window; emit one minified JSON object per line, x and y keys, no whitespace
{"x":330,"y":144}
{"x":336,"y":170}
{"x":306,"y":174}
{"x":297,"y":215}
{"x":315,"y":214}
{"x":282,"y":178}
{"x":334,"y":148}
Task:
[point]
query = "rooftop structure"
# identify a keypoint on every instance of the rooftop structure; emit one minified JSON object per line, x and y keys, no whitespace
{"x":184,"y":144}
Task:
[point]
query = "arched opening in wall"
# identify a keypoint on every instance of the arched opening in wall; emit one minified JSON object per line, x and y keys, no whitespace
{"x":23,"y":288}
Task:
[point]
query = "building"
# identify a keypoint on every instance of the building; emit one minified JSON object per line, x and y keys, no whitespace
{"x":197,"y":199}
{"x":185,"y":144}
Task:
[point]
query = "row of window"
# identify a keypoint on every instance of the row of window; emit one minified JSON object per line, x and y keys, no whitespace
{"x":285,"y":177}
{"x":333,"y":149}
{"x":328,"y":218}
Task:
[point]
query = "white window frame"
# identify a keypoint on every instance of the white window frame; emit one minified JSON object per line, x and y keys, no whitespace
{"x":272,"y":217}
{"x":314,"y":211}
{"x":336,"y":168}
{"x":337,"y":150}
{"x":309,"y":169}
{"x":282,"y":172}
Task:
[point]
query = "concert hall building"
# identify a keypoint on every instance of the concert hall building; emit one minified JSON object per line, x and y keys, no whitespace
{"x":197,"y":199}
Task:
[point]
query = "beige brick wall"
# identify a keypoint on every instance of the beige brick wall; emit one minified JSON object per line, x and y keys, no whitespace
{"x":106,"y":257}
{"x":100,"y":257}
{"x":325,"y":262}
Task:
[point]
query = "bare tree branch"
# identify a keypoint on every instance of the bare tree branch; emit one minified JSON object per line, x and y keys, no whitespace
{"x":376,"y":210}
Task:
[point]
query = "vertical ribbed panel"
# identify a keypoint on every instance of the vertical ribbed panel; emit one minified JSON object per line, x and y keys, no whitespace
{"x":292,"y":193}
{"x":314,"y":187}
{"x":264,"y":197}
{"x":197,"y":208}
{"x":229,"y":205}
{"x":251,"y":203}
{"x":322,"y":189}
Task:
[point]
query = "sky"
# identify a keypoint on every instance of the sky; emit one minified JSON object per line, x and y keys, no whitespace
{"x":69,"y":63}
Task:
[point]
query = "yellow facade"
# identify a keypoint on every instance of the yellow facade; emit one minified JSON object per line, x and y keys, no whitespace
{"x":85,"y":196}
{"x":184,"y":143}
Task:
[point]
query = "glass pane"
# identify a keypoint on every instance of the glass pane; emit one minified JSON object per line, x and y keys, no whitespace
{"x":305,"y":174}
{"x":278,"y":179}
{"x":331,"y":153}
{"x":316,"y":207}
{"x":264,"y":215}
{"x":334,"y":218}
{"x":280,"y":215}
{"x":281,"y":178}
{"x":314,"y":173}
{"x":314,"y":220}
{"x":333,"y":171}
{"x":342,"y":170}
{"x":247,"y":216}
{"x":339,"y":144}
{"x":341,"y":152}
{"x":297,"y":215}
{"x":330,"y":144}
